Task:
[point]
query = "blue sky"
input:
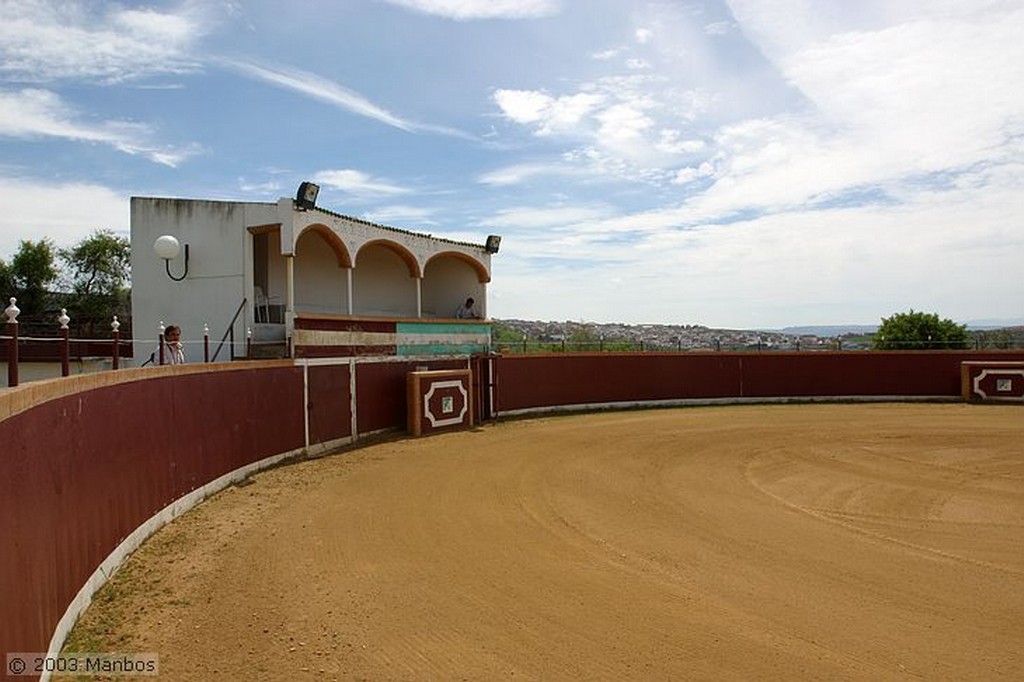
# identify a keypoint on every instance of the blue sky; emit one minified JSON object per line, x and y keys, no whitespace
{"x":731,"y":163}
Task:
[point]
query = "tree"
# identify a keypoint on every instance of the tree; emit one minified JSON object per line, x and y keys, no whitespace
{"x":30,"y":274}
{"x":915,"y":330}
{"x":100,"y":269}
{"x":583,"y":337}
{"x":6,"y":283}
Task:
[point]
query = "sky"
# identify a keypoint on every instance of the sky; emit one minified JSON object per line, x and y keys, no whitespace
{"x":727,"y":163}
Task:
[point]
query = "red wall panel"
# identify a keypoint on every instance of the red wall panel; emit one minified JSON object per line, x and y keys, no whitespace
{"x":935,"y":373}
{"x":381,"y":389}
{"x":553,"y":380}
{"x":330,"y":404}
{"x":539,"y":381}
{"x":80,"y":473}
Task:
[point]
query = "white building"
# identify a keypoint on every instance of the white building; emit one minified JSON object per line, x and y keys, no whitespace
{"x":300,"y":279}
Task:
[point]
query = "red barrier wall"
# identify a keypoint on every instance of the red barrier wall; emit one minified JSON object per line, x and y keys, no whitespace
{"x":385,"y":381}
{"x":80,"y":472}
{"x":526,"y":382}
{"x":86,"y":460}
{"x":330,"y":403}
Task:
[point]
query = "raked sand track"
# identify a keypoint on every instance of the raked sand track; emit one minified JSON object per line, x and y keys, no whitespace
{"x":834,"y":542}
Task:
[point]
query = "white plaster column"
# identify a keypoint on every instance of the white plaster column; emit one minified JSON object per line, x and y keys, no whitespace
{"x":289,"y":310}
{"x":419,"y":297}
{"x":483,"y":304}
{"x":348,"y":274}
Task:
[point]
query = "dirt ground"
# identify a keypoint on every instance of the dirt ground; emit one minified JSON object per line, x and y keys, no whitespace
{"x":862,"y":542}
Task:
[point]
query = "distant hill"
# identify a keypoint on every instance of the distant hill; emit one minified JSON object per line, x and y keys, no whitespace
{"x":995,"y":323}
{"x":841,"y":329}
{"x":830,"y":330}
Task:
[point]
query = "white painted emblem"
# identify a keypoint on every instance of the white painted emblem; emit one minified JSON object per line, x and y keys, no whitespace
{"x":1004,"y":384}
{"x":447,"y":404}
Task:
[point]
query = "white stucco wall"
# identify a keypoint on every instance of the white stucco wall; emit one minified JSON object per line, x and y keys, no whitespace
{"x":355,"y":234}
{"x":321,"y":285}
{"x":217,"y":281}
{"x":221,"y":271}
{"x":382,"y":285}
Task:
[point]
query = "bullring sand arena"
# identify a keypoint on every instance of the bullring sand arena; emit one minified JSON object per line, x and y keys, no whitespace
{"x":771,"y":542}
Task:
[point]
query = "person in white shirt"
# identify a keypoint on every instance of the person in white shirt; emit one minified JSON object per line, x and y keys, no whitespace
{"x":467,"y":311}
{"x":173,"y":350}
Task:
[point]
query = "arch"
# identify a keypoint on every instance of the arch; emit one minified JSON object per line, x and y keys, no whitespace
{"x":384,"y":283}
{"x":405,"y":254}
{"x":483,"y":276}
{"x":448,"y":280}
{"x":332,"y":239}
{"x":321,"y":279}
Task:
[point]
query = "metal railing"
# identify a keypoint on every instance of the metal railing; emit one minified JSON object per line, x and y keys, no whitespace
{"x":527,"y":346}
{"x":230,"y":332}
{"x":40,"y":348}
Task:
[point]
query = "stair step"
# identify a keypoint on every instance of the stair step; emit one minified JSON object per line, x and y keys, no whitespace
{"x":269,"y":351}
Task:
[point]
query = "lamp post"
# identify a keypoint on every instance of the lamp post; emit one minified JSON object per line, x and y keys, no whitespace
{"x":115,"y":329}
{"x":12,"y":312}
{"x":161,"y":341}
{"x":65,"y":351}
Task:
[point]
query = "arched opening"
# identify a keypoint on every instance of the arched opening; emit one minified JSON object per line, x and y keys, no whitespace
{"x":448,"y":279}
{"x":333,"y":241}
{"x":384,"y":281}
{"x":321,"y":285}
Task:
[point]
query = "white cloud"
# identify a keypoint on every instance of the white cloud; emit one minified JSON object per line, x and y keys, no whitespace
{"x":719,"y":28}
{"x":465,"y":10}
{"x":935,"y":93}
{"x":401,"y":215}
{"x":834,"y":265}
{"x":512,"y":175}
{"x":523,"y":106}
{"x":687,"y":175}
{"x":42,"y":40}
{"x":890,"y":106}
{"x":70,"y":212}
{"x":527,"y":218}
{"x":269,"y":187}
{"x":622,"y":127}
{"x":636,"y":122}
{"x":357,"y":183}
{"x":605,"y":55}
{"x":322,"y":89}
{"x":516,"y":174}
{"x":337,"y":95}
{"x":551,"y":114}
{"x":908,"y":94}
{"x":643,"y":35}
{"x":670,"y":141}
{"x":519,"y":173}
{"x":33,"y":113}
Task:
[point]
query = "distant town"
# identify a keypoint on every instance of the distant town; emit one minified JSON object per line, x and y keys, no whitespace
{"x":573,"y":335}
